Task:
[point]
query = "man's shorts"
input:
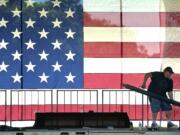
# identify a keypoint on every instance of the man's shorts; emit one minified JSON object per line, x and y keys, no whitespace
{"x":157,"y":105}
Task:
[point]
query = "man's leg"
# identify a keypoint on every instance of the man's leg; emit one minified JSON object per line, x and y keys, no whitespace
{"x":154,"y":116}
{"x":155,"y":108}
{"x":168,"y":116}
{"x":168,"y":108}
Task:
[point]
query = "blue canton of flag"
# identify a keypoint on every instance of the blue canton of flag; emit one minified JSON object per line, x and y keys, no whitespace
{"x":41,"y":44}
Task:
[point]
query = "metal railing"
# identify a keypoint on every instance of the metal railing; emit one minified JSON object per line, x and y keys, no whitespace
{"x":21,"y":105}
{"x":77,"y":100}
{"x":136,"y":105}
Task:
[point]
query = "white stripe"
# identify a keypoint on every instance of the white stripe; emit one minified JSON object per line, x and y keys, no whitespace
{"x":131,"y":6}
{"x":102,"y":65}
{"x":129,"y":65}
{"x":132,"y":34}
{"x":16,"y":124}
{"x":141,"y":5}
{"x":101,"y":5}
{"x":31,"y":123}
{"x":151,"y":34}
{"x":102,"y":34}
{"x":151,"y":5}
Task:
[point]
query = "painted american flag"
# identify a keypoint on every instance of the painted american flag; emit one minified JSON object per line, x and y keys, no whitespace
{"x":86,"y":44}
{"x":42,"y":44}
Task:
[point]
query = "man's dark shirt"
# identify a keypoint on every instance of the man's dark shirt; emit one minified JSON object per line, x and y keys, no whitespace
{"x":159,"y":84}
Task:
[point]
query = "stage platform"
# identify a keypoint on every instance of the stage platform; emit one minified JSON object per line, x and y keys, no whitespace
{"x":92,"y":132}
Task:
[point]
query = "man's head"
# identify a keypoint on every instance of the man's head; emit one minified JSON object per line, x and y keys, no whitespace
{"x":168,"y":72}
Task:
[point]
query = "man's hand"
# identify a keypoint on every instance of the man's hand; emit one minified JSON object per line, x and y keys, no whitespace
{"x":170,"y":94}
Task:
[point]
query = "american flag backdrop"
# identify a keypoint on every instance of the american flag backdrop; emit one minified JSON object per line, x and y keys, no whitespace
{"x":86,"y":44}
{"x":42,"y":47}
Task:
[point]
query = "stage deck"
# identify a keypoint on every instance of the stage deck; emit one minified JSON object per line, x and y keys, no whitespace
{"x":92,"y":132}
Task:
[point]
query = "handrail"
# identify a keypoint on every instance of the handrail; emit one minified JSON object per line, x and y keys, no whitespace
{"x":22,"y":105}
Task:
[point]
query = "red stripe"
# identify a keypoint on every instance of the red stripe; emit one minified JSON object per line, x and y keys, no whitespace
{"x":114,"y":81}
{"x":151,"y":50}
{"x":131,"y":50}
{"x":102,"y":50}
{"x":132,"y":19}
{"x":101,"y":19}
{"x":27,"y":112}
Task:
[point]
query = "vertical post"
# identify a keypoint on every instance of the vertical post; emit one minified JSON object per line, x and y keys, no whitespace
{"x":116,"y":102}
{"x":91,"y":109}
{"x":109,"y":101}
{"x":32,"y":110}
{"x":77,"y":101}
{"x":38,"y":99}
{"x":57,"y":94}
{"x":10,"y":108}
{"x":147,"y":112}
{"x":122,"y":110}
{"x":70,"y":101}
{"x":129,"y":102}
{"x":19,"y":103}
{"x":83,"y":102}
{"x":24,"y":106}
{"x":97,"y":101}
{"x":51,"y":100}
{"x":5,"y":106}
{"x":102,"y":100}
{"x":64,"y":101}
{"x":142,"y":110}
{"x":135,"y":106}
{"x":44,"y":108}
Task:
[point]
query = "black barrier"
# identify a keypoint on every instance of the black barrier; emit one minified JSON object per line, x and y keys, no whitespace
{"x":80,"y":120}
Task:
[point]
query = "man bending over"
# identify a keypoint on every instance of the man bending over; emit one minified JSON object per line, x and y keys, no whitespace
{"x":161,"y":83}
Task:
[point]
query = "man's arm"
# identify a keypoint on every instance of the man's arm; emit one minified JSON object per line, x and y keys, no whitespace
{"x":170,"y":94}
{"x":146,"y":77}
